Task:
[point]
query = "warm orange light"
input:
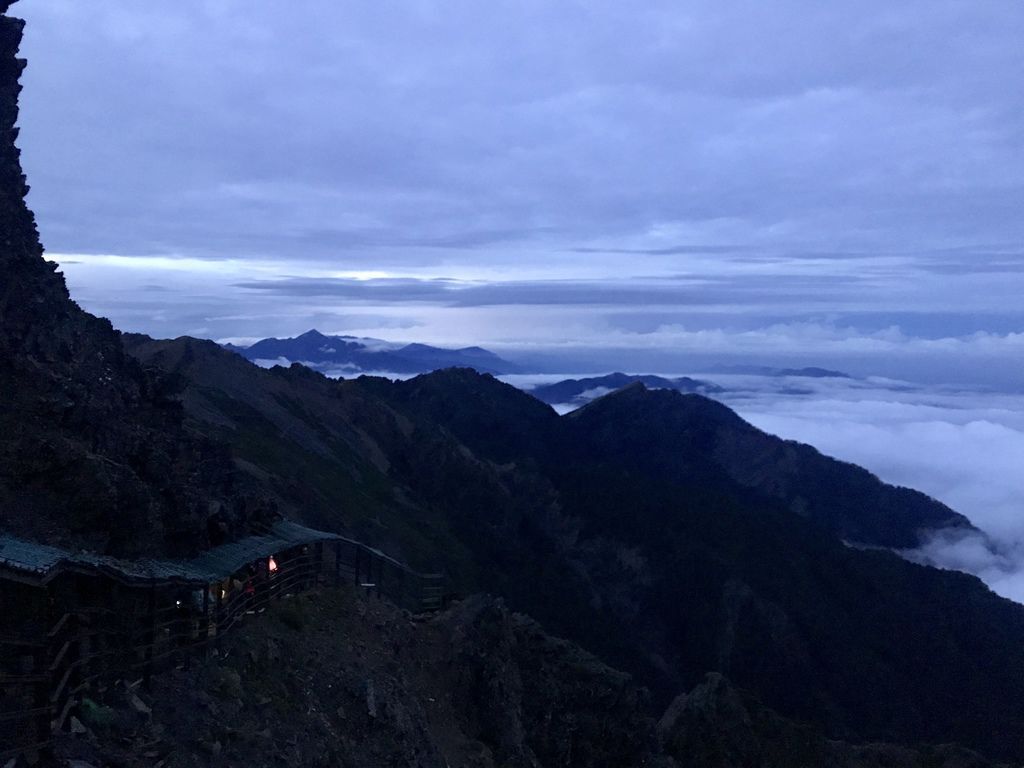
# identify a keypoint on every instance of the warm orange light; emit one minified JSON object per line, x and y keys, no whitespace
{"x":272,"y":565}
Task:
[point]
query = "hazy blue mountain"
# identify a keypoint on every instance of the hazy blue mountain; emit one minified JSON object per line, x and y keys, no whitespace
{"x":811,"y":372}
{"x":357,"y":355}
{"x":582,"y":391}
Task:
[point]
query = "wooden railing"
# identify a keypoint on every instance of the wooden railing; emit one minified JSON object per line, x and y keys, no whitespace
{"x":43,"y":680}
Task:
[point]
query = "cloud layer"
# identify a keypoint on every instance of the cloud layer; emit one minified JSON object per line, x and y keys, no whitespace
{"x":335,"y":130}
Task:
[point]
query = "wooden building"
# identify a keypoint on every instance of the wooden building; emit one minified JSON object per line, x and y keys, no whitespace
{"x":71,"y":622}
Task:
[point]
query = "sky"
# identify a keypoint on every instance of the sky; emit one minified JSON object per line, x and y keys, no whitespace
{"x":608,"y":184}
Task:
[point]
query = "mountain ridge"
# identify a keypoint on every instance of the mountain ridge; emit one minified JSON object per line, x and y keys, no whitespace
{"x":576,"y":392}
{"x":662,"y":572}
{"x":852,"y":502}
{"x":357,"y":355}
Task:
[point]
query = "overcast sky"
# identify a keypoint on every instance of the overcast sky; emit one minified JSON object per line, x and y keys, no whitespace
{"x":832,"y":183}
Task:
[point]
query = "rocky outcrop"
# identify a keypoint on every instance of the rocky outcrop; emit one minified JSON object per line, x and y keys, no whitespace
{"x":93,"y":451}
{"x":540,"y":700}
{"x":718,"y":726}
{"x":342,"y":679}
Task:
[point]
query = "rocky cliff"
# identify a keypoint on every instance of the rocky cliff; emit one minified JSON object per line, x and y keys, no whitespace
{"x":342,"y":680}
{"x":92,"y":448}
{"x":345,"y":680}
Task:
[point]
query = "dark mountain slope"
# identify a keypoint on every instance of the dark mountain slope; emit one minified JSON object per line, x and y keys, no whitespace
{"x":664,"y":433}
{"x":706,"y":572}
{"x":337,"y":455}
{"x":621,"y":528}
{"x":504,"y":424}
{"x":715,"y":725}
{"x":325,"y":450}
{"x":678,"y":435}
{"x":92,"y":450}
{"x":343,"y":680}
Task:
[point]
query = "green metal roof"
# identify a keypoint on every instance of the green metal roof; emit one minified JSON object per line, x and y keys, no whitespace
{"x":43,"y":562}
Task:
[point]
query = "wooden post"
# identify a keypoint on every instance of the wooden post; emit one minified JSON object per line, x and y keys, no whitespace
{"x":41,"y":661}
{"x":102,"y":658}
{"x":262,"y":584}
{"x":220,"y":617}
{"x":318,"y":549}
{"x":150,"y":637}
{"x":337,"y":563}
{"x":43,"y":727}
{"x":204,"y":622}
{"x":78,"y":651}
{"x":185,"y":629}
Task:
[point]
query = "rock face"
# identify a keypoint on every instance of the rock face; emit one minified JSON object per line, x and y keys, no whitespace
{"x":92,"y":449}
{"x":342,"y":679}
{"x":541,"y":700}
{"x":350,"y":681}
{"x":718,"y":726}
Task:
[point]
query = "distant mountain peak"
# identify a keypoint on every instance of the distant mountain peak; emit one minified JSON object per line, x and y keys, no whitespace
{"x":312,"y":333}
{"x":349,"y":355}
{"x":634,"y":387}
{"x":809,"y":372}
{"x":577,"y":392}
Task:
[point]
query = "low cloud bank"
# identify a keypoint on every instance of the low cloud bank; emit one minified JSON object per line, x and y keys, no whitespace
{"x":1000,"y":564}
